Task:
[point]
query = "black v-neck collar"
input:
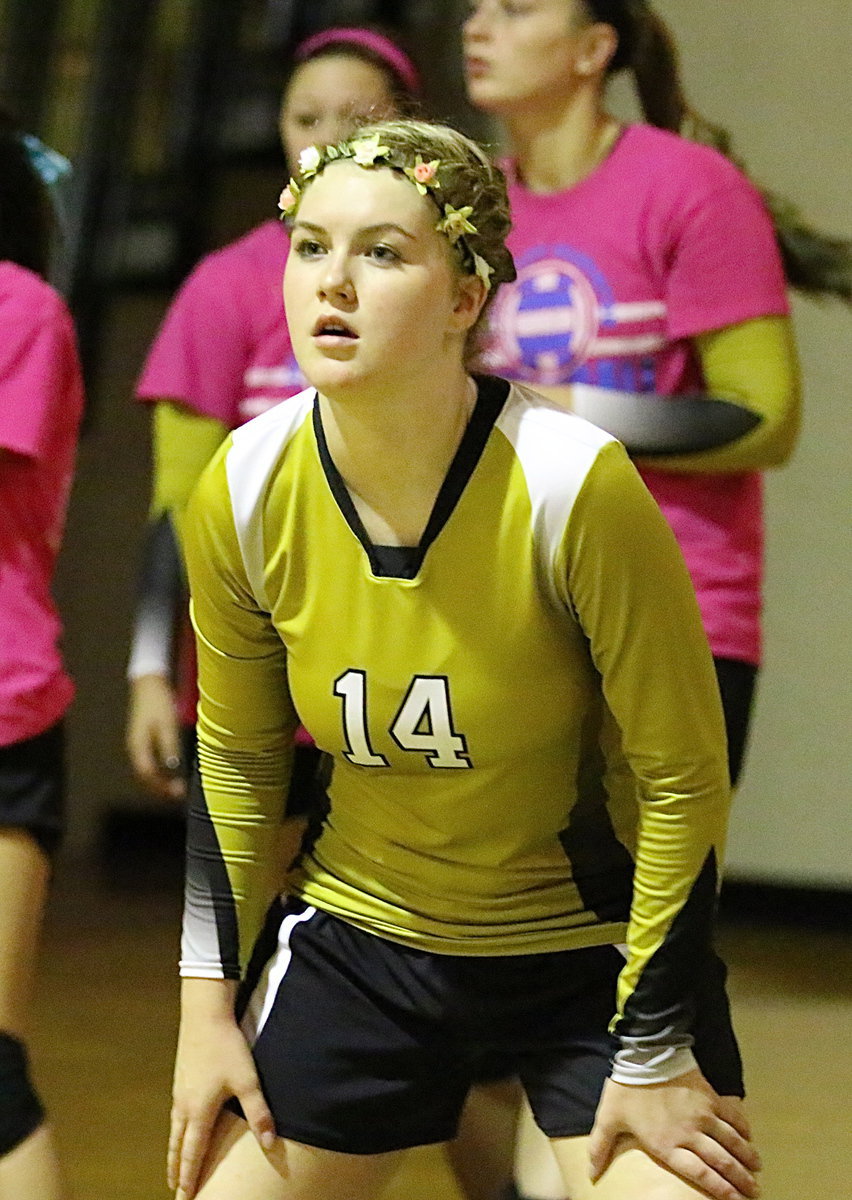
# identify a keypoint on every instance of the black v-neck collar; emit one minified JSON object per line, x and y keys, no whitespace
{"x":404,"y":562}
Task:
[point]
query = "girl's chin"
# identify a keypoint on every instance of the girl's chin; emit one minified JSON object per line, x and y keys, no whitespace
{"x":337,"y":383}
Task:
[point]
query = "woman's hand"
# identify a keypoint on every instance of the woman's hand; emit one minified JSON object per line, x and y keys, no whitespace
{"x":153,"y":737}
{"x":213,"y":1064}
{"x":684,"y":1125}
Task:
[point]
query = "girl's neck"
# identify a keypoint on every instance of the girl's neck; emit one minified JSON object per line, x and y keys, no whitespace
{"x":556,"y":148}
{"x":393,"y":450}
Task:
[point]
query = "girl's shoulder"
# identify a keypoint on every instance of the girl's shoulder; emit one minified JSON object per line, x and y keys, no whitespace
{"x":668,"y":159}
{"x":26,"y":296}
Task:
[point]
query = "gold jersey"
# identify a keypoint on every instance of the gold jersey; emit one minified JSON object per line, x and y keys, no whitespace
{"x":522,"y":713}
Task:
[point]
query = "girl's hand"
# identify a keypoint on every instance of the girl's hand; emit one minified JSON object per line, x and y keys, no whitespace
{"x":684,"y":1125}
{"x":153,"y":737}
{"x":213,"y":1064}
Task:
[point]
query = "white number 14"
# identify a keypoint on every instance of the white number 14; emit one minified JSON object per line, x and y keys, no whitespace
{"x":423,"y":725}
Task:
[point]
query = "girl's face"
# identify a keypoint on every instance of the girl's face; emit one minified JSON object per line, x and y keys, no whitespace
{"x":519,"y":53}
{"x":326,"y":97}
{"x":371,"y":290}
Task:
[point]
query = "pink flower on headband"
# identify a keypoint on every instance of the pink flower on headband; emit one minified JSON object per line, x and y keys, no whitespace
{"x":288,"y":201}
{"x":424,"y":175}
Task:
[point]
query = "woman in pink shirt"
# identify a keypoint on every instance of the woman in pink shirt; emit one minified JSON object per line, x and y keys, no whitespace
{"x":221,"y":357}
{"x":651,"y":298}
{"x":40,"y":406}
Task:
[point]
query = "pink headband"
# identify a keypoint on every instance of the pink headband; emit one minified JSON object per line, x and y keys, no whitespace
{"x":377,"y":43}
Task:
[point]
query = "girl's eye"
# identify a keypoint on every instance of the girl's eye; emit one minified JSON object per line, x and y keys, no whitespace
{"x":309,"y":248}
{"x":384,"y":254}
{"x":305,"y":120}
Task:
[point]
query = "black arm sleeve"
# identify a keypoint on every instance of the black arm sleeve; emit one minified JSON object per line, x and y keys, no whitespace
{"x":162,"y":596}
{"x":649,"y":425}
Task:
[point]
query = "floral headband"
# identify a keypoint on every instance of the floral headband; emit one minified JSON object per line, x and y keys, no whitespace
{"x":367,"y":151}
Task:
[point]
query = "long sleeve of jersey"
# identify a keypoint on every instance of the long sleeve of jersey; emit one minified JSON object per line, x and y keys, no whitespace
{"x":627,"y":584}
{"x":246,"y":724}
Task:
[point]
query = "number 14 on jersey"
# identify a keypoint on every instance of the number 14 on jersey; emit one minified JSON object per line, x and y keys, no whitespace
{"x":423,"y":725}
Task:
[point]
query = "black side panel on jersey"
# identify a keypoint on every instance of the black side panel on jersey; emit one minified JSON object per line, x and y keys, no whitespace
{"x":601,"y":867}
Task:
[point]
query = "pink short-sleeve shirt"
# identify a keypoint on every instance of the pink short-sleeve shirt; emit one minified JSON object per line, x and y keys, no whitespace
{"x":223,"y":348}
{"x":664,"y":241}
{"x":41,"y":402}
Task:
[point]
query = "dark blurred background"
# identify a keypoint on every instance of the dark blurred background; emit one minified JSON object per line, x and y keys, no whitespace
{"x":168,"y":109}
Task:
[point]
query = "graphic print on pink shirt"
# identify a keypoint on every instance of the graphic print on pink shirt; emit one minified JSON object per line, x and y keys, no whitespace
{"x":560,"y":322}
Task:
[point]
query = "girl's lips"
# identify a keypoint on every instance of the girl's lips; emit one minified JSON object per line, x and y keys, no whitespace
{"x":476,"y":67}
{"x":333,"y":328}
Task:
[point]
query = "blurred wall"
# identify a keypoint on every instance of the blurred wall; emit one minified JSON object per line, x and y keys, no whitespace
{"x":777,"y":74}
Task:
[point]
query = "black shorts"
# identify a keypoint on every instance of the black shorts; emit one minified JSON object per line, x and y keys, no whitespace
{"x":32,"y":787}
{"x":365,"y":1046}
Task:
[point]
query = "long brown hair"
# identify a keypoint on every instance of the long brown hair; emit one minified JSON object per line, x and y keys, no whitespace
{"x":814,"y":262}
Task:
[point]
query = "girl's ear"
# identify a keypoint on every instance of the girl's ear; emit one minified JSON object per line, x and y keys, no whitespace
{"x":599,"y":43}
{"x":470,"y":296}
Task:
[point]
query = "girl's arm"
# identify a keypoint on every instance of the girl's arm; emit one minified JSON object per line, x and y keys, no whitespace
{"x":183,"y":444}
{"x":663,"y":738}
{"x":246,"y":724}
{"x":747,"y":419}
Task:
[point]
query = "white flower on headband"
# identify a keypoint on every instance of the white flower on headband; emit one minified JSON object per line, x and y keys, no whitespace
{"x":455,"y":223}
{"x":483,"y":269}
{"x":424,"y":175}
{"x":366,"y":150}
{"x":309,"y":161}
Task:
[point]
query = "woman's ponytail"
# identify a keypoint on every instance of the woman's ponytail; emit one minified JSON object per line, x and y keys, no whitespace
{"x":814,"y":262}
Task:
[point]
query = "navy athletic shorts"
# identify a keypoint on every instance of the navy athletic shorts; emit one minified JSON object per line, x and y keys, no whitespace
{"x":365,"y":1046}
{"x":32,"y":787}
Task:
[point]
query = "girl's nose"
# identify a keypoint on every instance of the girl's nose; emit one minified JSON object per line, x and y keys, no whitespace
{"x":336,"y":280}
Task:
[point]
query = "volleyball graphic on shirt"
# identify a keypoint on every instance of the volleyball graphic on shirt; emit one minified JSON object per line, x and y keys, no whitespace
{"x":559,"y":322}
{"x":546,"y":323}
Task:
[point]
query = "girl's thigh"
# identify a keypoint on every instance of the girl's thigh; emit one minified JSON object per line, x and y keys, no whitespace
{"x":631,"y":1175}
{"x":237,"y":1167}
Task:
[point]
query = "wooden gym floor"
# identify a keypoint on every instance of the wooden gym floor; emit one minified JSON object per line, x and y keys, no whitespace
{"x":106,"y":1016}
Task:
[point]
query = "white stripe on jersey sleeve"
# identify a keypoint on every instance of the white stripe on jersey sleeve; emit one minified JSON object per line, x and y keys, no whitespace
{"x":255,"y":449}
{"x":556,"y":451}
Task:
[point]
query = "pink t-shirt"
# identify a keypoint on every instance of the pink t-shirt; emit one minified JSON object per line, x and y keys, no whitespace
{"x":41,"y":401}
{"x":665,"y":240}
{"x":223,"y":348}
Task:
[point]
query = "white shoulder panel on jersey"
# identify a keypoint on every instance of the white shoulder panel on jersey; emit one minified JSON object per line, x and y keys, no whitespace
{"x":556,"y":450}
{"x":255,"y":449}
